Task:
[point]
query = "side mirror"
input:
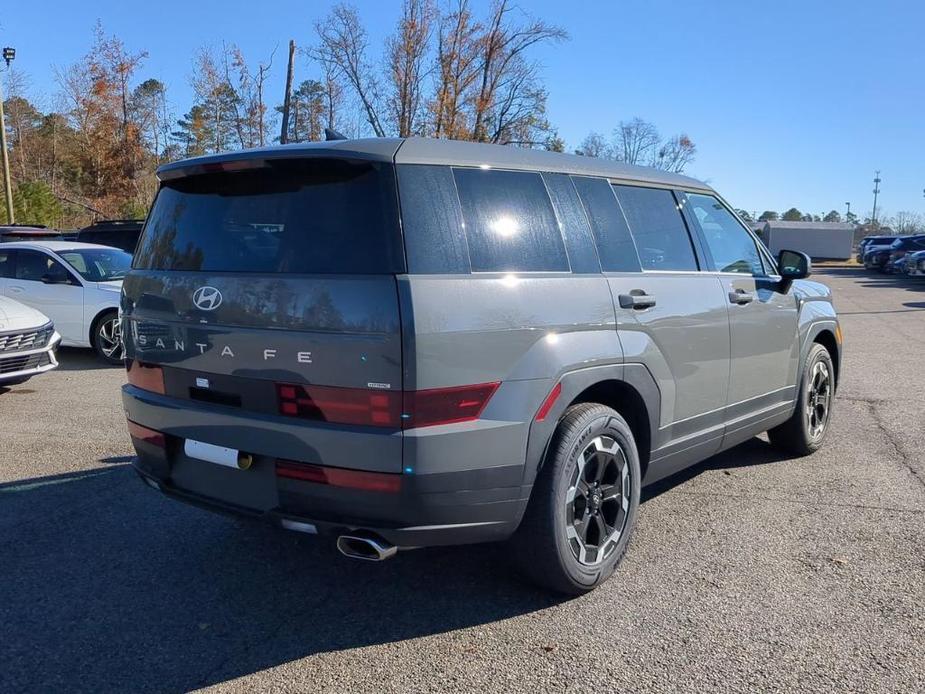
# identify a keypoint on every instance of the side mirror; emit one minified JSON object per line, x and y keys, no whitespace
{"x":793,"y":265}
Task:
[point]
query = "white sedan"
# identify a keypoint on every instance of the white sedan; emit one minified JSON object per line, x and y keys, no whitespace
{"x":77,"y":285}
{"x":27,"y":343}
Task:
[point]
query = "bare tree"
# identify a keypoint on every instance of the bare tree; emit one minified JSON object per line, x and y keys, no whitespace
{"x":594,"y":145}
{"x":249,"y":108}
{"x":510,"y":103}
{"x":22,"y":120}
{"x":406,"y":52}
{"x":342,"y":49}
{"x":675,"y":154}
{"x":216,"y":98}
{"x":635,"y":141}
{"x":904,"y":222}
{"x":457,"y":71}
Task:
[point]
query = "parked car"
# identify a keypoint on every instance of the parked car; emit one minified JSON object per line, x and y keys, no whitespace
{"x":76,"y":284}
{"x":915,"y":264}
{"x":25,"y":232}
{"x":877,"y":258}
{"x":119,"y":233}
{"x":410,"y":342}
{"x":900,"y":248}
{"x":27,"y":343}
{"x":869,"y":242}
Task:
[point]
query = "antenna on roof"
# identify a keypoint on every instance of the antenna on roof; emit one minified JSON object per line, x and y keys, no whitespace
{"x":331,"y":134}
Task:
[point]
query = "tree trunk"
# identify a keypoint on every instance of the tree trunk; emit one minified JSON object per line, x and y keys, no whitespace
{"x":284,"y":129}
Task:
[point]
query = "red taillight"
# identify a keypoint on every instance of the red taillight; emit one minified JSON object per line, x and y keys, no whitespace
{"x":156,"y":438}
{"x":339,"y":477}
{"x":424,"y":408}
{"x":395,"y":409}
{"x":340,"y":405}
{"x":549,"y":402}
{"x":146,"y":376}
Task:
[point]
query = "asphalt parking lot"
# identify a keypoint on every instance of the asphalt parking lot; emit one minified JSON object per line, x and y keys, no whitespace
{"x":749,"y":572}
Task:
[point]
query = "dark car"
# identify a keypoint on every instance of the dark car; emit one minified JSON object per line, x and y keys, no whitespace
{"x":28,"y":232}
{"x":868,"y":243}
{"x":411,"y":342}
{"x":899,"y":249}
{"x":118,"y":233}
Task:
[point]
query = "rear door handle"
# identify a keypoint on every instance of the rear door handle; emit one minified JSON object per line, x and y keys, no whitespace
{"x":15,"y":290}
{"x":637,"y":300}
{"x":740,"y":296}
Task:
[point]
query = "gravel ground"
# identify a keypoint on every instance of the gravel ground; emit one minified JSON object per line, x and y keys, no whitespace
{"x":749,"y":572}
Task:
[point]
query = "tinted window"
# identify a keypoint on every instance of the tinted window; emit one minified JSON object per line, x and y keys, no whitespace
{"x":574,"y":222}
{"x":662,"y":240}
{"x":431,"y":221}
{"x":6,"y":263}
{"x":611,"y":234}
{"x":730,"y":245}
{"x":510,"y":223}
{"x":33,"y":265}
{"x":294,"y":216}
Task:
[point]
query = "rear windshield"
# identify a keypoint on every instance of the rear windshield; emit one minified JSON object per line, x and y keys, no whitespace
{"x":316,"y":216}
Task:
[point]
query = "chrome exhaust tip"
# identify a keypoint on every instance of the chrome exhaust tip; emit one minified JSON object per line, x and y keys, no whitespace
{"x":366,"y":548}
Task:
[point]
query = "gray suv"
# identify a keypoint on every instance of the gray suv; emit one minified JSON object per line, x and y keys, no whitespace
{"x":409,"y":342}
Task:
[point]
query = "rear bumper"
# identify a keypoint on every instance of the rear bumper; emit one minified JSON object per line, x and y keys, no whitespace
{"x":17,"y":365}
{"x":437,"y":508}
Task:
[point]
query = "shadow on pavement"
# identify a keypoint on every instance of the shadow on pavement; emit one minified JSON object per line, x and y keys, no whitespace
{"x":753,"y":452}
{"x":107,"y":586}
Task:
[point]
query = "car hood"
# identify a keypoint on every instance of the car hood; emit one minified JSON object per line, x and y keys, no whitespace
{"x":809,"y":289}
{"x":17,"y":316}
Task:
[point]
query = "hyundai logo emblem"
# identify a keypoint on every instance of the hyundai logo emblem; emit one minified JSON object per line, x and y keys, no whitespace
{"x":207,"y":298}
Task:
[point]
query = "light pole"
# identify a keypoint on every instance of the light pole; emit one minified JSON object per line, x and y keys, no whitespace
{"x":873,"y":215}
{"x":8,"y":55}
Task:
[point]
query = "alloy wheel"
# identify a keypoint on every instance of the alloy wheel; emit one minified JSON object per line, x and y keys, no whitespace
{"x":597,"y":501}
{"x":818,"y":399}
{"x":109,"y":335}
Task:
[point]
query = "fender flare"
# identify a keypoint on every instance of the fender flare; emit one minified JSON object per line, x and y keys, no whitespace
{"x":817,"y":326}
{"x":573,"y":383}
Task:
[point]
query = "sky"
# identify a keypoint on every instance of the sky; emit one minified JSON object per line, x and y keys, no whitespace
{"x":789,"y":103}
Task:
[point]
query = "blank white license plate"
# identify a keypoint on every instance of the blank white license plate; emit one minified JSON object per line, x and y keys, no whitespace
{"x":211,"y":453}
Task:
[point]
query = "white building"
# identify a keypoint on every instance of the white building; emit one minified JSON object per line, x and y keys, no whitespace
{"x":819,"y":240}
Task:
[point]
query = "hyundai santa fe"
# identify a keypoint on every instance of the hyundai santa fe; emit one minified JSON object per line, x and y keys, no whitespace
{"x":407,"y":342}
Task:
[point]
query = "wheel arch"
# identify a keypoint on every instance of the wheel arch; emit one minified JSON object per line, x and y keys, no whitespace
{"x":629,"y":389}
{"x":96,"y":319}
{"x":827,"y":339}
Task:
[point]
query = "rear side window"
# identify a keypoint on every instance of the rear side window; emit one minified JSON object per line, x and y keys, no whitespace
{"x":611,"y":233}
{"x":317,"y":216}
{"x":662,"y":239}
{"x":509,"y":221}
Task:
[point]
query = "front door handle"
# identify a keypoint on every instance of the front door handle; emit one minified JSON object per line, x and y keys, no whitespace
{"x":16,"y":290}
{"x":740,"y":296}
{"x":637,"y":300}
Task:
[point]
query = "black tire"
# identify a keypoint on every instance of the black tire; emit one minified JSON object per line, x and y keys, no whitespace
{"x":802,"y":433}
{"x":102,"y":339}
{"x":544,"y":546}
